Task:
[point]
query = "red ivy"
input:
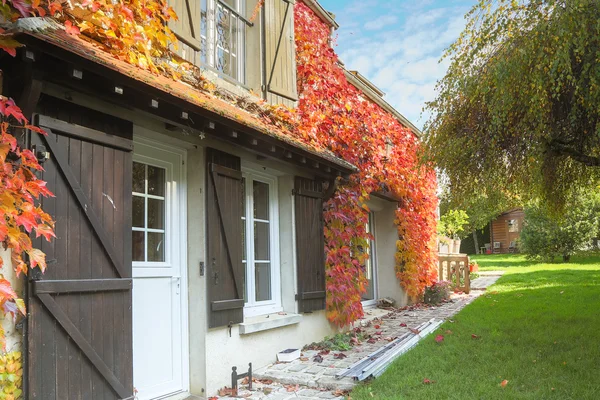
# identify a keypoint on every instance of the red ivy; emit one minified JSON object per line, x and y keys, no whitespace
{"x":338,"y":116}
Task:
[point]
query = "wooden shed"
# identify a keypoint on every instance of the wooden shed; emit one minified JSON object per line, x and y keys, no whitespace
{"x":505,"y":231}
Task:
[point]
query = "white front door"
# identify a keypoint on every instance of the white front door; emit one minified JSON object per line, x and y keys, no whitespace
{"x":158,"y":238}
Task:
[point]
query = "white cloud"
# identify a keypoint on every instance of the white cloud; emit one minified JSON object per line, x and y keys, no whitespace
{"x":402,"y":60}
{"x":380,"y":22}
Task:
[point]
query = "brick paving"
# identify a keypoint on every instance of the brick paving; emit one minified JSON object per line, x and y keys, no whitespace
{"x":308,"y":379}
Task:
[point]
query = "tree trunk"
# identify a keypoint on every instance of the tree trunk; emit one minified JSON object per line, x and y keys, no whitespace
{"x":475,"y":241}
{"x":566,"y":257}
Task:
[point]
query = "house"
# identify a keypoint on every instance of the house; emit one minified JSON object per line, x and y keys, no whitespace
{"x":505,"y":230}
{"x":189,"y":230}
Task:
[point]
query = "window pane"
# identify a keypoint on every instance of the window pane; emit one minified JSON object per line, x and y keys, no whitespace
{"x":138,"y":212}
{"x":156,"y":214}
{"x":137,"y":241}
{"x":156,"y":246}
{"x":263,"y":281}
{"x":156,"y":181}
{"x":139,"y":177}
{"x":261,"y":200}
{"x":261,"y":241}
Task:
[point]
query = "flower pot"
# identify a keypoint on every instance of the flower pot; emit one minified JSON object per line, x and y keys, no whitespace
{"x":456,"y":246}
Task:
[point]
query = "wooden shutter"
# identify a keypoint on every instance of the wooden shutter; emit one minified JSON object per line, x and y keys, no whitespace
{"x":187,"y":27}
{"x":226,"y":274}
{"x":280,"y":49}
{"x":79,"y":321}
{"x":310,"y":246}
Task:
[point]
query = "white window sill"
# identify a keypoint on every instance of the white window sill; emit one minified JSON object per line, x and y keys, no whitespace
{"x":270,"y":321}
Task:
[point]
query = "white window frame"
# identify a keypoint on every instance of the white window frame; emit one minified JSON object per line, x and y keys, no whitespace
{"x":251,"y":307}
{"x":169,"y":210}
{"x":211,"y":39}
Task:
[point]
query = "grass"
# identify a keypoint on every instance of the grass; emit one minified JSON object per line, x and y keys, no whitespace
{"x":538,"y":328}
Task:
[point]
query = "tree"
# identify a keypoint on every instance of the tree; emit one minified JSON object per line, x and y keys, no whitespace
{"x":547,"y":236}
{"x":518,"y":113}
{"x":453,"y":223}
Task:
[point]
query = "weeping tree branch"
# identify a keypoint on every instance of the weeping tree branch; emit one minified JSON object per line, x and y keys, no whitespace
{"x":577,"y":155}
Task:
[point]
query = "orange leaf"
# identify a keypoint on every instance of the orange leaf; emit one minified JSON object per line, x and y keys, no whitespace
{"x":71,"y":29}
{"x":504,"y":383}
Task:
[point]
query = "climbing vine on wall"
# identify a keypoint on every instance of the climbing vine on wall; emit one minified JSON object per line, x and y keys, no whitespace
{"x":337,"y":115}
{"x":11,"y":376}
{"x":331,"y":114}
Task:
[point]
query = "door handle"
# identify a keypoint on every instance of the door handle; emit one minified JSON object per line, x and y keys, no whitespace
{"x":177,"y":280}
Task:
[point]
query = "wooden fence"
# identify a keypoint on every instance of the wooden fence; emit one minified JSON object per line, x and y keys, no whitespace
{"x":455,"y":269}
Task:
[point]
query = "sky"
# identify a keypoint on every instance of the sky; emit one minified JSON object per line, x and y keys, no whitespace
{"x":397,"y":45}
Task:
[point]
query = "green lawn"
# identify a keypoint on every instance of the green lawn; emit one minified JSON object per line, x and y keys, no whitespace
{"x":538,"y":328}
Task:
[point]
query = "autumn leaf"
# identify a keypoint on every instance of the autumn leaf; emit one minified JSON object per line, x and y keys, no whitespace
{"x":71,"y":29}
{"x":504,"y":383}
{"x":474,"y":336}
{"x":6,"y":290}
{"x":439,"y":338}
{"x":37,"y":259}
{"x":427,"y":381}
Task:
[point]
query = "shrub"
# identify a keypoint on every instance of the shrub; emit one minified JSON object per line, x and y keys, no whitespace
{"x":547,"y":235}
{"x":437,"y":292}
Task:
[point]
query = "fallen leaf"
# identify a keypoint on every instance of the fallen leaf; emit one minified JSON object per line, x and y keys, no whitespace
{"x":562,"y":291}
{"x":213,"y":398}
{"x":439,"y":338}
{"x":474,"y":336}
{"x":377,"y":326}
{"x":378,"y":333}
{"x":427,"y":381}
{"x":318,"y":358}
{"x":415,"y":331}
{"x":504,"y":383}
{"x":372,"y":340}
{"x":292,"y":388}
{"x":403,"y":325}
{"x":448,"y":332}
{"x":324,"y":352}
{"x":71,"y":29}
{"x":226,"y":391}
{"x":303,"y":358}
{"x":339,"y":356}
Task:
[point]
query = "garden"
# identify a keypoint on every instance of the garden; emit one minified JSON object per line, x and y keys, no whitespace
{"x":533,"y":335}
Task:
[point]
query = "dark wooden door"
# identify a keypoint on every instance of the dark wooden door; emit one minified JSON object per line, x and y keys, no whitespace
{"x":79,"y":338}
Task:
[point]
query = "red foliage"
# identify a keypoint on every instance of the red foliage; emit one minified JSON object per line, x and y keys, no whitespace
{"x":19,"y":216}
{"x":338,"y":116}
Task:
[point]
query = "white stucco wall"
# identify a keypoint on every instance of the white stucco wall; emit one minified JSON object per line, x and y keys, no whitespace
{"x":13,"y":335}
{"x":386,"y":236}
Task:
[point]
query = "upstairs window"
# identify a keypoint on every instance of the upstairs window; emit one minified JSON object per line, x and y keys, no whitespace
{"x":222,"y":28}
{"x":513,"y":225}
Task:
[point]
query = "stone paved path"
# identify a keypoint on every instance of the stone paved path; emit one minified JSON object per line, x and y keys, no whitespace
{"x":308,"y":379}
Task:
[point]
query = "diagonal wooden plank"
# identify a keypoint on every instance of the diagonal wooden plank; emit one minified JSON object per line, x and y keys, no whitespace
{"x":237,"y":175}
{"x":84,"y":345}
{"x":63,"y":166}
